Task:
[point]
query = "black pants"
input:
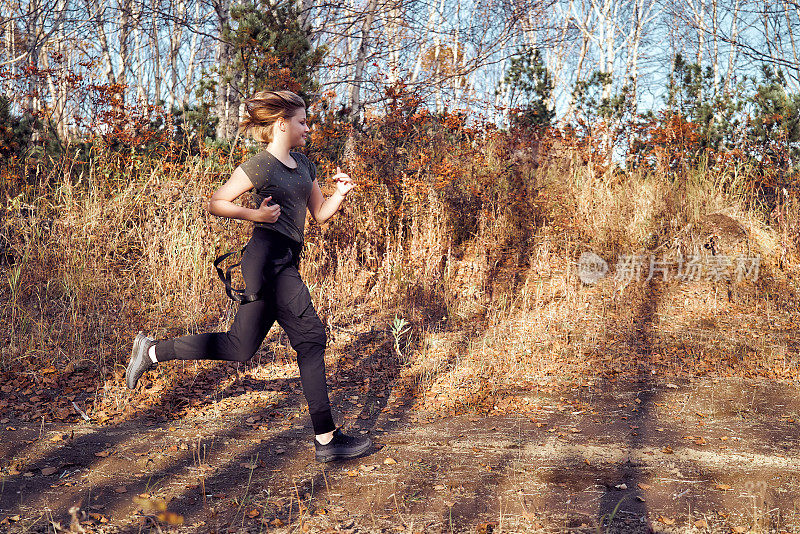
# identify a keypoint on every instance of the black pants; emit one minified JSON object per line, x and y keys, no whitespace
{"x":269,"y":267}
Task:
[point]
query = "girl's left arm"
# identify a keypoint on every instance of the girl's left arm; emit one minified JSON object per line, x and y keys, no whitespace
{"x":323,"y":209}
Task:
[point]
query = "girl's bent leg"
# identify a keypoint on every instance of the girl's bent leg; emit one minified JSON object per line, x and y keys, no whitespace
{"x":239,"y":344}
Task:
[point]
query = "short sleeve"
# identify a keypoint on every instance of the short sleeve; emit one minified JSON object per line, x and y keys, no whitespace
{"x":256,"y":168}
{"x":312,"y":169}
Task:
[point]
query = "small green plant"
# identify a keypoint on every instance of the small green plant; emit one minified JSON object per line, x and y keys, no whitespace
{"x":244,"y":500}
{"x":400,"y":327}
{"x":610,"y":518}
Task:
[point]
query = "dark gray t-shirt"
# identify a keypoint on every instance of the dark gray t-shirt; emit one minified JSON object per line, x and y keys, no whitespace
{"x":289,"y":188}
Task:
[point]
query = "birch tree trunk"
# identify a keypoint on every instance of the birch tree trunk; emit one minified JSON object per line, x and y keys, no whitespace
{"x":733,"y":50}
{"x":437,"y":68}
{"x":391,"y":14}
{"x":156,"y":52}
{"x":105,"y":52}
{"x":141,"y":89}
{"x":355,"y":88}
{"x":787,"y":11}
{"x":432,"y":17}
{"x":176,"y":36}
{"x":190,"y":68}
{"x":698,"y":13}
{"x":31,"y":102}
{"x":10,"y":39}
{"x":715,"y":44}
{"x":227,"y":105}
{"x":124,"y":53}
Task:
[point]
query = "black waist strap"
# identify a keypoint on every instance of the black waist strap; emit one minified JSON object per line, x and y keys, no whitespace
{"x":236,"y":295}
{"x":292,"y":248}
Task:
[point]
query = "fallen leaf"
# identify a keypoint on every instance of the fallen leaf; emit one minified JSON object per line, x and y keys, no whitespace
{"x":171,"y":518}
{"x":57,"y":438}
{"x":667,"y":450}
{"x":352,"y":473}
{"x":150,"y":504}
{"x":488,"y":527}
{"x":15,"y":517}
{"x":666,"y":520}
{"x":700,"y":441}
{"x":722,"y":487}
{"x":276,"y":522}
{"x":47,"y":471}
{"x":724,"y":438}
{"x":98,"y":517}
{"x":701,"y":523}
{"x":390,"y":461}
{"x":367,"y":467}
{"x":103,"y":454}
{"x":252,"y":514}
{"x":644,"y":486}
{"x":739,"y":530}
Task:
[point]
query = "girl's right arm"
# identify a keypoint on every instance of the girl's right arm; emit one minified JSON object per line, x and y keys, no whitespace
{"x":221,"y":203}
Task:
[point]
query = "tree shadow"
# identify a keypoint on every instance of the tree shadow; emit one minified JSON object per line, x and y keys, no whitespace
{"x":362,"y":386}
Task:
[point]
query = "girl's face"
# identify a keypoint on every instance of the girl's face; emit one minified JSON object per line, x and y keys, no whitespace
{"x":294,"y":128}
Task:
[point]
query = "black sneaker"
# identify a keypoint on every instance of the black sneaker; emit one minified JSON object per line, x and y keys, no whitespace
{"x":140,"y":359}
{"x":342,"y":447}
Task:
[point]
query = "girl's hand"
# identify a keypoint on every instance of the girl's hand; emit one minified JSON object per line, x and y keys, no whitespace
{"x":344,"y":184}
{"x":267,"y":214}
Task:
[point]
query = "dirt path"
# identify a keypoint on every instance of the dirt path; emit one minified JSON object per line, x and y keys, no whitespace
{"x":719,"y":455}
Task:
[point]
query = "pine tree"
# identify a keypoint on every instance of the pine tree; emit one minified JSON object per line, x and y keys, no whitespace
{"x":531,"y":89}
{"x":273,"y":50}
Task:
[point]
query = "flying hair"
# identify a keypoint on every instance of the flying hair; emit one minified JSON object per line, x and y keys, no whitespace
{"x":266,"y":107}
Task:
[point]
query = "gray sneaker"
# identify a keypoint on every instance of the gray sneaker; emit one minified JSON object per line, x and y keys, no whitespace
{"x":140,"y":359}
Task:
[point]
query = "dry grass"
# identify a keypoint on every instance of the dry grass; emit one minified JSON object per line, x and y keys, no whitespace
{"x":98,"y":258}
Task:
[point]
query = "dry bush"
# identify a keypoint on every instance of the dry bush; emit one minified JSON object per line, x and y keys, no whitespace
{"x":471,"y":234}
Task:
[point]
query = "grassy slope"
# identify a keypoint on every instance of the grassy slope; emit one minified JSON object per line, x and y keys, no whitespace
{"x":114,"y":251}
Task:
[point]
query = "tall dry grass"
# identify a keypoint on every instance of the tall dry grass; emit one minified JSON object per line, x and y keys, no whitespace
{"x":103,"y":248}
